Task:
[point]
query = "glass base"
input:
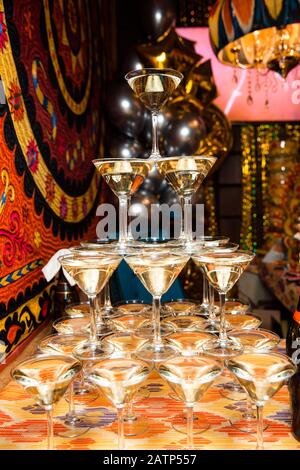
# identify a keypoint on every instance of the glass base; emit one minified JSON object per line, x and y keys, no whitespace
{"x":155,"y":353}
{"x":200,"y":424}
{"x":75,"y":427}
{"x":222,"y":349}
{"x":93,"y":351}
{"x":134,"y":426}
{"x":247,"y":425}
{"x":84,"y":393}
{"x":147,"y":330}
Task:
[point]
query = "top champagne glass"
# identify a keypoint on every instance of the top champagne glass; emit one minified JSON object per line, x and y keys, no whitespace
{"x":154,"y":87}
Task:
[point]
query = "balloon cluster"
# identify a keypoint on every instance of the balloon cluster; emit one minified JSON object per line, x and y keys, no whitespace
{"x":189,"y":124}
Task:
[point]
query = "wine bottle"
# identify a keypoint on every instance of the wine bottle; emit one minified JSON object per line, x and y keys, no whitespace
{"x":64,"y":295}
{"x":293,"y":350}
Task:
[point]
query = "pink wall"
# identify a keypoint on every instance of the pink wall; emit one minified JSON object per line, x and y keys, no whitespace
{"x":232,"y":97}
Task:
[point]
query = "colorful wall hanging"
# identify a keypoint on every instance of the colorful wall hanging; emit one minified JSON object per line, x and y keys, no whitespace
{"x":50,"y":129}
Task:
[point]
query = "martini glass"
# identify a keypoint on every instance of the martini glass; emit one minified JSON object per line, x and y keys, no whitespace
{"x":91,"y":273}
{"x":261,"y":375}
{"x":125,"y":346}
{"x":124,"y":177}
{"x":253,"y":341}
{"x":200,"y":244}
{"x":178,"y":307}
{"x":157,"y":267}
{"x":185,"y":175}
{"x":154,"y":87}
{"x":223,"y":270}
{"x":189,"y":378}
{"x":58,"y":345}
{"x":47,"y":378}
{"x":119,"y":379}
{"x":217,"y":245}
{"x":107,"y":309}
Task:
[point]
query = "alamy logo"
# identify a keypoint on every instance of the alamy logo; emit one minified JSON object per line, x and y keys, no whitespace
{"x":296,"y":92}
{"x":296,"y":353}
{"x":154,"y":221}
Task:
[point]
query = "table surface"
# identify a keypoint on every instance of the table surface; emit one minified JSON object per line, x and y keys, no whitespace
{"x":23,"y":426}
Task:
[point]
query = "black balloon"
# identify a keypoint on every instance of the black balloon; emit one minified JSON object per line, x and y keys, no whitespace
{"x":130,"y":61}
{"x":122,"y":146}
{"x":154,"y":183}
{"x":169,"y":196}
{"x":146,"y":134}
{"x":184,"y":133}
{"x":156,"y":17}
{"x":124,"y":110}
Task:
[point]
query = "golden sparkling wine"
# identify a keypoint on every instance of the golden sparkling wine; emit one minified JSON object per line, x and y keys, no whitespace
{"x":124,"y":344}
{"x":61,"y":344}
{"x":71,"y":326}
{"x":154,"y":90}
{"x":243,"y":322}
{"x":157,"y":273}
{"x":256,"y":340}
{"x":185,"y":174}
{"x":262,"y":375}
{"x":187,"y":323}
{"x":47,"y":378}
{"x":124,"y":177}
{"x":91,"y":274}
{"x":190,"y":377}
{"x":224,"y":270}
{"x":129,"y":322}
{"x":189,"y":343}
{"x":119,"y":379}
{"x":179,"y":308}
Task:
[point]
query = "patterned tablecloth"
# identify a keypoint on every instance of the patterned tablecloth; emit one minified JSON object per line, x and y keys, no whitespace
{"x":23,"y":426}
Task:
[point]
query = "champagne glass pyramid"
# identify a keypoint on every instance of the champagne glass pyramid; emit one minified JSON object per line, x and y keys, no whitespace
{"x":91,"y":272}
{"x":261,"y":375}
{"x":124,"y":177}
{"x":47,"y":378}
{"x":154,"y":87}
{"x":223,"y":270}
{"x":157,"y":268}
{"x":185,"y":175}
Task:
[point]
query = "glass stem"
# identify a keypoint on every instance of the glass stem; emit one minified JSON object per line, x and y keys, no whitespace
{"x":205,"y":298}
{"x":156,"y":322}
{"x":50,"y":430}
{"x":155,"y":149}
{"x":260,"y":428}
{"x":123,"y":219}
{"x":71,"y":400}
{"x":222,"y":334}
{"x":190,"y":426}
{"x":248,"y":414}
{"x":129,"y":415}
{"x":188,"y":224}
{"x":93,"y":314}
{"x":211,"y":296}
{"x":120,"y":428}
{"x":107,"y":299}
{"x":182,"y":236}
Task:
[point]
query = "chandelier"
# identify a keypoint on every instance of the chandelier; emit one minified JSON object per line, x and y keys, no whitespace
{"x":262,"y":34}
